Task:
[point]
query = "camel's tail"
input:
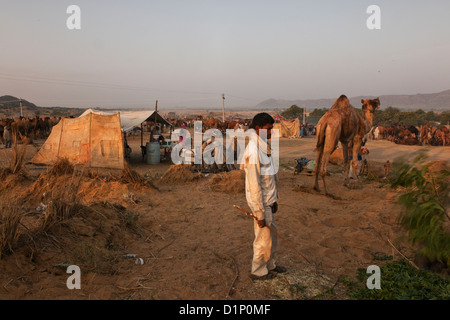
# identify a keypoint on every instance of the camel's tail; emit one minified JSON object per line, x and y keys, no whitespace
{"x":321,"y":136}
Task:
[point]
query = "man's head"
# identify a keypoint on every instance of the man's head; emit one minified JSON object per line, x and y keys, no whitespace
{"x":263,"y":121}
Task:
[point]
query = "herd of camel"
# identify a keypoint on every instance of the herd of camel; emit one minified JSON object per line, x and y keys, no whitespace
{"x":212,"y":123}
{"x":412,"y":135}
{"x":28,"y":129}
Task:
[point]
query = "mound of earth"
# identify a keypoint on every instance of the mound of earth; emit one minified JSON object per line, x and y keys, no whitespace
{"x":61,"y":220}
{"x":180,"y":173}
{"x":230,"y":182}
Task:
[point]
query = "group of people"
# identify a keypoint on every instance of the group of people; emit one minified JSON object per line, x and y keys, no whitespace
{"x":307,"y":130}
{"x":156,"y":134}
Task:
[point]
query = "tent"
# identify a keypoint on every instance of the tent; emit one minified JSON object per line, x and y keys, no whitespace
{"x":130,"y":120}
{"x":93,"y":140}
{"x":288,"y":128}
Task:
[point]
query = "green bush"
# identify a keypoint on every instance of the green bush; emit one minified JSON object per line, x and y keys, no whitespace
{"x":424,"y":213}
{"x":399,"y":281}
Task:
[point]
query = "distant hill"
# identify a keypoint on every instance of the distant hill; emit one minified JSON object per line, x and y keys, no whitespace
{"x":10,"y":108}
{"x":11,"y":102}
{"x":432,"y":101}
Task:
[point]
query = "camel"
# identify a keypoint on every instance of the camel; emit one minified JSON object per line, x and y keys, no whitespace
{"x":440,"y":136}
{"x":211,"y":123}
{"x":342,"y":123}
{"x":383,"y":132}
{"x":424,"y":134}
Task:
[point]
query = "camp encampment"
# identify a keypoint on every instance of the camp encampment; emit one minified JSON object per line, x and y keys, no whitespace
{"x":94,"y":139}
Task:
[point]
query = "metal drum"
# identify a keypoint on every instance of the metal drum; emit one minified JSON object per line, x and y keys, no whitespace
{"x":153,"y":153}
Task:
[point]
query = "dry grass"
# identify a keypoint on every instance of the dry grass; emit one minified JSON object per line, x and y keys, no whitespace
{"x":4,"y":172}
{"x":61,"y":167}
{"x":57,"y":212}
{"x":10,"y":218}
{"x":63,"y":203}
{"x":132,"y":177}
{"x":73,"y":211}
{"x":18,"y":156}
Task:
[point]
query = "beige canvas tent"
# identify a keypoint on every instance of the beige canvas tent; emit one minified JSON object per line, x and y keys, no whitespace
{"x":288,"y":129}
{"x":93,"y":140}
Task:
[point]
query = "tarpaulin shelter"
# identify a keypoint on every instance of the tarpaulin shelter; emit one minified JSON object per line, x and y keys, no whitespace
{"x":288,"y":128}
{"x":130,"y":120}
{"x":93,"y":140}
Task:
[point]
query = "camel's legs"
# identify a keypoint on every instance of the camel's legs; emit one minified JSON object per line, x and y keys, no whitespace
{"x":318,"y":167}
{"x":327,"y":151}
{"x":346,"y":161}
{"x":356,"y":151}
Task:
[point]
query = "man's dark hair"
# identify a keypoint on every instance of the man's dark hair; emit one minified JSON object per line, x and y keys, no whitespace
{"x":261,"y":119}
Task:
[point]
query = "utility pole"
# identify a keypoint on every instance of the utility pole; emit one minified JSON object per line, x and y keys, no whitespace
{"x":223,"y":107}
{"x":21,"y":110}
{"x":304,"y":114}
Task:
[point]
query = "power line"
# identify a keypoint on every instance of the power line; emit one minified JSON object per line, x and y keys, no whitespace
{"x":93,"y":84}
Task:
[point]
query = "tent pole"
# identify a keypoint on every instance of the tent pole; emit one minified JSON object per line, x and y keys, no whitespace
{"x":60,"y":137}
{"x":156,"y":116}
{"x":90,"y":138}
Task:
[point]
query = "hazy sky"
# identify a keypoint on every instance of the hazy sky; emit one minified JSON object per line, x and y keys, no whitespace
{"x":187,"y":53}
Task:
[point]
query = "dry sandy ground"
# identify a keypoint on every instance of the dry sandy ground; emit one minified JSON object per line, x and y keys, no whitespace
{"x":197,"y":246}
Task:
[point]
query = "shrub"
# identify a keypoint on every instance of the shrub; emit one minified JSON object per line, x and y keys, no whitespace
{"x":400,"y":281}
{"x":424,"y":213}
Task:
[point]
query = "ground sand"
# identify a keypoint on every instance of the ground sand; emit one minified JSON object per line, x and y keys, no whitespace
{"x":197,"y":246}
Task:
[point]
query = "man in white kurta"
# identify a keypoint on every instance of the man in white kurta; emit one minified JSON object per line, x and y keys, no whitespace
{"x":262,"y":195}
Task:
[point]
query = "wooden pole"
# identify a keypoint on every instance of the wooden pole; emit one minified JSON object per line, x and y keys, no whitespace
{"x":304,"y":114}
{"x":156,"y":111}
{"x":223,"y":107}
{"x":156,"y":115}
{"x":21,"y":109}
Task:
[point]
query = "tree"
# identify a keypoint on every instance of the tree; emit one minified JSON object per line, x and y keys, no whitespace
{"x":444,"y":118}
{"x":431,"y":116}
{"x":293,"y":112}
{"x":316,"y":115}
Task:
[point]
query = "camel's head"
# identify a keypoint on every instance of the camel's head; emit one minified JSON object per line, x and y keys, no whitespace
{"x":371,"y":105}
